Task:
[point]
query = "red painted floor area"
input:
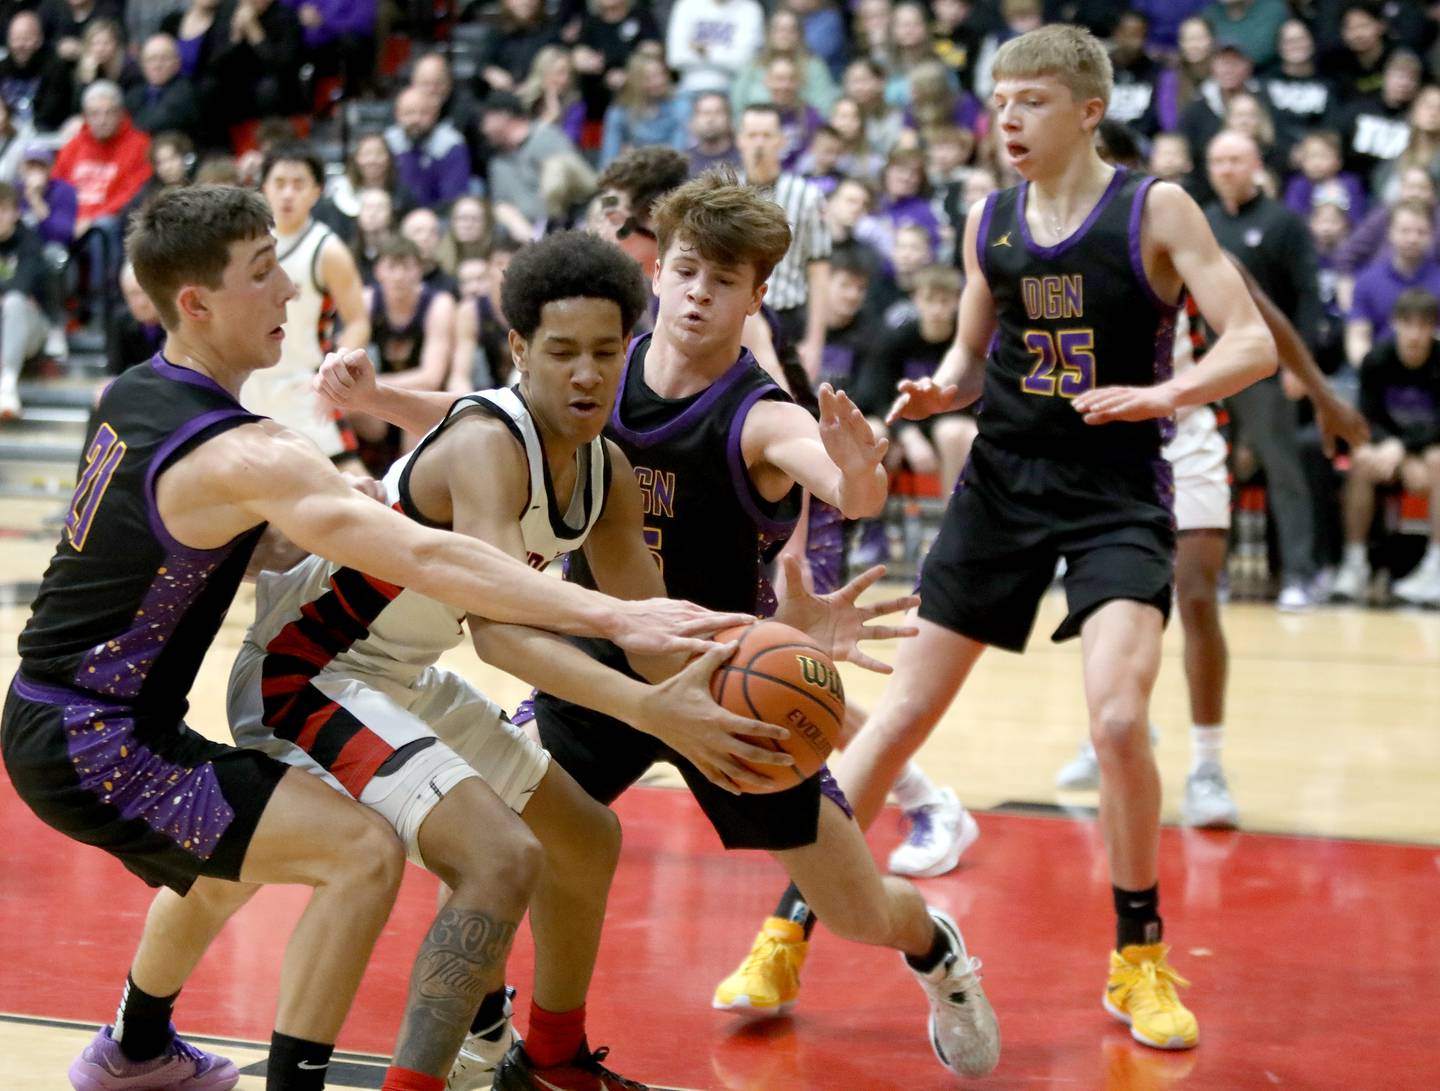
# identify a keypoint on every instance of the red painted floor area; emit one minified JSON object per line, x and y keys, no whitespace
{"x":1314,"y":962}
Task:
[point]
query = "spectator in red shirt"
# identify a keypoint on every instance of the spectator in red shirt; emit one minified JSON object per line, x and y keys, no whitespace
{"x":107,"y":162}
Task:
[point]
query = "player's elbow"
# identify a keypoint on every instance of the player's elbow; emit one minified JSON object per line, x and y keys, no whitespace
{"x":1265,"y":357}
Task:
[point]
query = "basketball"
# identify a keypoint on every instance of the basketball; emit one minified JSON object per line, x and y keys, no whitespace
{"x":778,"y":675}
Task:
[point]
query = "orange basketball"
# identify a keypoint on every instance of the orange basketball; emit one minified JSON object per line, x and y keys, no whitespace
{"x":779,"y":676}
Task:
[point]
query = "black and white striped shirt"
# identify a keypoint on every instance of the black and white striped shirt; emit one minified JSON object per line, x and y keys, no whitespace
{"x":804,"y":207}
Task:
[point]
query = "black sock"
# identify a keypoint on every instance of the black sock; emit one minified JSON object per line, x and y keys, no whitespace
{"x":492,"y":1009}
{"x":793,"y":907}
{"x":939,"y":948}
{"x":142,"y":1024}
{"x":297,"y":1065}
{"x":1137,"y":917}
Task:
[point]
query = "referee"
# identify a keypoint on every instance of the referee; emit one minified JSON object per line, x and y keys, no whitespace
{"x":799,"y":286}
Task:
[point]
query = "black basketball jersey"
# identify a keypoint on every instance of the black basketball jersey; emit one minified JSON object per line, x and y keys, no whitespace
{"x":400,"y":345}
{"x":1071,"y":317}
{"x":710,"y":531}
{"x":124,"y":609}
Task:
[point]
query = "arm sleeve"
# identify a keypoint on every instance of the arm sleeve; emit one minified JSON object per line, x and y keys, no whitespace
{"x":679,"y":53}
{"x":59,"y":226}
{"x":453,"y":172}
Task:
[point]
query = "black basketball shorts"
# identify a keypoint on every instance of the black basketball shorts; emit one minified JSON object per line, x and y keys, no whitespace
{"x":164,"y":800}
{"x":1013,"y":516}
{"x":606,"y":757}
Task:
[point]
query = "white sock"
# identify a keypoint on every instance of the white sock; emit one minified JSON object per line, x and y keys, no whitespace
{"x":1206,"y":742}
{"x":912,"y":788}
{"x":1356,"y":555}
{"x":1432,"y":553}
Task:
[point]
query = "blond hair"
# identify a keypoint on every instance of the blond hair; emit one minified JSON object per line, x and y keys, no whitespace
{"x":1071,"y":55}
{"x":937,"y":279}
{"x":726,"y":222}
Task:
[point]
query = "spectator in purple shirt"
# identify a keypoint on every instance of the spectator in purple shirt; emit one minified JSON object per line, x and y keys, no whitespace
{"x":431,"y":157}
{"x":1367,"y":242}
{"x":47,"y":204}
{"x":1321,"y":178}
{"x":339,"y":37}
{"x":904,"y":202}
{"x":1411,"y":264}
{"x":798,"y":119}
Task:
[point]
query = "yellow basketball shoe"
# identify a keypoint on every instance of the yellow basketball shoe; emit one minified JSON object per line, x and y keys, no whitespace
{"x":768,"y":981}
{"x":1141,"y":993}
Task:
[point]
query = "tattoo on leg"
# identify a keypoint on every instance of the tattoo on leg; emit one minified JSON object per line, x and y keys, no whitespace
{"x":459,"y":962}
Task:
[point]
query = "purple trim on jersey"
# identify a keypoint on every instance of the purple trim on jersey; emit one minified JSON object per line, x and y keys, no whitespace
{"x":986,"y":214}
{"x":1165,"y":365}
{"x":825,"y":546}
{"x":830,"y":788}
{"x":168,"y":370}
{"x":1049,"y":252}
{"x":740,"y":477}
{"x":157,"y":463}
{"x":1137,"y":256}
{"x":119,"y":666}
{"x":687,"y":419}
{"x":182,"y":803}
{"x":41,"y":693}
{"x":1165,"y":486}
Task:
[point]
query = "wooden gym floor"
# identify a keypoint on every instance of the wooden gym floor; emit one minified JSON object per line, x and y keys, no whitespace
{"x":1308,"y":936}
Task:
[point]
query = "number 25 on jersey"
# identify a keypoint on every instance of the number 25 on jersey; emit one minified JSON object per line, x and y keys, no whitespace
{"x":1064,"y":362}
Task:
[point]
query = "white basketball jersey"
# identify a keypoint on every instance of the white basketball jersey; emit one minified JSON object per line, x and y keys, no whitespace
{"x":356,"y":624}
{"x":283,"y":392}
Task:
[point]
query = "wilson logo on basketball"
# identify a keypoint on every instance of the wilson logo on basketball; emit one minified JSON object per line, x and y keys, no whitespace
{"x":819,"y":674}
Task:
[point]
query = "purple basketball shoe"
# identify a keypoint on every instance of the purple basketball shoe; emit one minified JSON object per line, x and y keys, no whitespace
{"x":103,"y":1066}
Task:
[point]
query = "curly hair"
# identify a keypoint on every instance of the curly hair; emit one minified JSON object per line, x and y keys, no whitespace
{"x":571,"y":265}
{"x":726,"y":222}
{"x":646,"y":174}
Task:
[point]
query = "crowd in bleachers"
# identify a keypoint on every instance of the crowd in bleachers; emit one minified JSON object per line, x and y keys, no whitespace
{"x":453,"y":134}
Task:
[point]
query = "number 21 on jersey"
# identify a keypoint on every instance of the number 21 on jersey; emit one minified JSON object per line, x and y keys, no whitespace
{"x":102,"y":459}
{"x":1064,"y":363}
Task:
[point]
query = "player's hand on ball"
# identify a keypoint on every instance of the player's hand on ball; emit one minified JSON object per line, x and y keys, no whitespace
{"x":346,"y":379}
{"x":666,"y":626}
{"x":835,"y":622}
{"x":681,"y":713}
{"x":920,"y":399}
{"x":1111,"y":403}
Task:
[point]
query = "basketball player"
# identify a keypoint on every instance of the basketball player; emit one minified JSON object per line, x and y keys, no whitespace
{"x":1077,"y":397}
{"x":439,"y":760}
{"x":720,"y":455}
{"x":412,"y":326}
{"x":178,"y":486}
{"x":292,"y":179}
{"x":1198,"y":453}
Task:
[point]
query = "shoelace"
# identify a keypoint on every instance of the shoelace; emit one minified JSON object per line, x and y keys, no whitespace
{"x":185,"y":1051}
{"x":771,"y":949}
{"x":922,"y":827}
{"x":1162,"y":981}
{"x":592,"y":1065}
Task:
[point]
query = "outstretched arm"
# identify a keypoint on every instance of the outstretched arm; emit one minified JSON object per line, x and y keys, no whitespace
{"x":263,"y":473}
{"x":1333,"y":415}
{"x":839,"y":459}
{"x":960,"y":378}
{"x":1243,"y":354}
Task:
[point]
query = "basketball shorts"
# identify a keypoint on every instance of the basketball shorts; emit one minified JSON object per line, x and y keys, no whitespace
{"x":1012,"y":517}
{"x":606,"y":756}
{"x":1199,"y":456}
{"x":398,"y":748}
{"x":161,"y":798}
{"x":288,"y":398}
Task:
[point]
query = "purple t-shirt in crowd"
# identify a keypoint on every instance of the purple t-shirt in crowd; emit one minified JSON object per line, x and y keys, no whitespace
{"x":1378,"y":287}
{"x":1345,"y":190}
